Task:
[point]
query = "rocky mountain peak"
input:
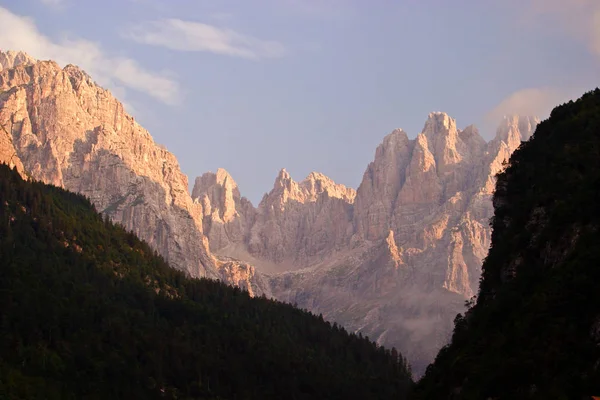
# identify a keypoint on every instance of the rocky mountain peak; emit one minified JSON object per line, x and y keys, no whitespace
{"x":380,"y":185}
{"x":284,"y":189}
{"x":418,"y":221}
{"x":439,"y":123}
{"x":516,"y":128}
{"x":208,"y":179}
{"x":396,"y":138}
{"x":310,"y":189}
{"x":218,"y":193}
{"x":510,"y":133}
{"x":67,"y":131}
{"x":316,"y":184}
{"x":10,"y":59}
{"x":78,"y":76}
{"x":471,"y":135}
{"x":282,"y":176}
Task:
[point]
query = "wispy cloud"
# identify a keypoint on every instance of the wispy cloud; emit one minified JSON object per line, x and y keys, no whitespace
{"x":532,"y":101}
{"x":180,"y":35}
{"x":20,"y":33}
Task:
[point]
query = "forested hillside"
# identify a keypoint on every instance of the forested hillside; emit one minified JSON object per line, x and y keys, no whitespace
{"x":88,"y":311}
{"x":534,"y":332}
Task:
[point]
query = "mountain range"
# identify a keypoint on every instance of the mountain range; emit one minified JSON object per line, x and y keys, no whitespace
{"x":394,"y":259}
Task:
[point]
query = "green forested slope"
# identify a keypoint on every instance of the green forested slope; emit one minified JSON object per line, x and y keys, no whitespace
{"x":534,"y":332}
{"x":88,"y":311}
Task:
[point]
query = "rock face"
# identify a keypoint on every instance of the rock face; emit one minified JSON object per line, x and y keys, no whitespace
{"x":11,"y":59}
{"x":295,"y":225}
{"x":58,"y":126}
{"x":394,"y":260}
{"x":533,"y":332}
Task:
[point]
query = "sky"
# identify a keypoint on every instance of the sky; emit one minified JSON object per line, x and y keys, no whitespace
{"x":312,"y":85}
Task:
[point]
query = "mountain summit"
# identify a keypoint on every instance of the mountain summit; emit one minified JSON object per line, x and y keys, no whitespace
{"x":394,"y":259}
{"x":534,"y":331}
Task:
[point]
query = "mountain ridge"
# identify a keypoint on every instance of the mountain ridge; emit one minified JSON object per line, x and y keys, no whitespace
{"x":418,"y":222}
{"x":417,"y":225}
{"x":533,"y":331}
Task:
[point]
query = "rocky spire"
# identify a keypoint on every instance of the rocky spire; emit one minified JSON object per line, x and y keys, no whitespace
{"x":514,"y":129}
{"x":380,"y":185}
{"x":222,"y":193}
{"x":66,"y":130}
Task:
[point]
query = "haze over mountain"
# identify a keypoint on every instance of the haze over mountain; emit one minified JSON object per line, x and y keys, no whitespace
{"x":394,"y":259}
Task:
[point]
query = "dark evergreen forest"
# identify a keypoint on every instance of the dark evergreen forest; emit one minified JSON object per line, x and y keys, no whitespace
{"x":88,"y":311}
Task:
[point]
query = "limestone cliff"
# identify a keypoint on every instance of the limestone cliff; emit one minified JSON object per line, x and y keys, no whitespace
{"x":295,"y":224}
{"x":394,"y":259}
{"x":397,"y":258}
{"x":58,"y":126}
{"x":533,"y":330}
{"x":10,"y":59}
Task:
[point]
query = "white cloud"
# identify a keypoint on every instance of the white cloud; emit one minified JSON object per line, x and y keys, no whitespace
{"x":533,"y":102}
{"x":20,"y":33}
{"x":182,"y":35}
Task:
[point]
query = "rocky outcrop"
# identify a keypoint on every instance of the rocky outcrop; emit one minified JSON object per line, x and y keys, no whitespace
{"x":295,"y":224}
{"x":395,"y":260}
{"x":531,"y":331}
{"x":10,"y":59}
{"x":381,"y":183}
{"x":63,"y":129}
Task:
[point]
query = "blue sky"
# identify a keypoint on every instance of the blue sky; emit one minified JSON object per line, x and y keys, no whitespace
{"x":255,"y":86}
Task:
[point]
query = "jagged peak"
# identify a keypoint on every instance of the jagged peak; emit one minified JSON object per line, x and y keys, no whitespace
{"x":392,"y":143}
{"x":524,"y":125}
{"x":397,"y":136}
{"x":471,"y":135}
{"x":284,"y":184}
{"x":310,"y":189}
{"x":223,"y":177}
{"x":316,"y":183}
{"x":317,"y":176}
{"x":204,"y":183}
{"x":11,"y":58}
{"x":470,"y":130}
{"x":283,"y":175}
{"x":397,"y":133}
{"x":77,"y":73}
{"x":421,"y":141}
{"x":439,"y":122}
{"x":519,"y":120}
